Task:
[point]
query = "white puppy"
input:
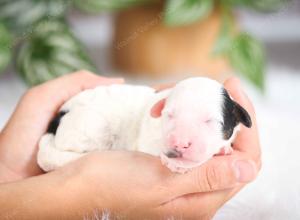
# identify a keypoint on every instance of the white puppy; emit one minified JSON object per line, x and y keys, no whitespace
{"x":198,"y":120}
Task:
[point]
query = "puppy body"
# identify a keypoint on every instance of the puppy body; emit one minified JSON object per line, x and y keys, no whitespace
{"x":105,"y":118}
{"x":193,"y":127}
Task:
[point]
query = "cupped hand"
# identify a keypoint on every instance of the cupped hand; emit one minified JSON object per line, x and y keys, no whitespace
{"x":20,"y":137}
{"x":133,"y":185}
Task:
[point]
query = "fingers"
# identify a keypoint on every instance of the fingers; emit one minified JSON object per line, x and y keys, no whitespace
{"x":81,"y":80}
{"x":205,"y":189}
{"x":219,"y":173}
{"x":247,"y":139}
{"x":195,"y":206}
{"x":57,"y":91}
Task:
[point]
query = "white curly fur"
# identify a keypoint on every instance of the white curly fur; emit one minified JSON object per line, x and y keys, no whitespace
{"x":118,"y":117}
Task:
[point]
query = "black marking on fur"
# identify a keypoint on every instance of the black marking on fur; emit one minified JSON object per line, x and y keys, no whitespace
{"x":233,"y":114}
{"x":52,"y":128}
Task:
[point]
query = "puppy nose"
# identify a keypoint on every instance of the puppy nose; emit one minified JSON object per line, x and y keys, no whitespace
{"x":181,"y":142}
{"x":183,"y":146}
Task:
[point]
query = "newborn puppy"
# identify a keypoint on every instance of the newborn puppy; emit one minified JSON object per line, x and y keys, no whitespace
{"x":198,"y":120}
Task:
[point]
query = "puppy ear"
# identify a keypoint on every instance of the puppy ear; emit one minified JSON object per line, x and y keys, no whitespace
{"x":157,"y":108}
{"x":242,"y":115}
{"x":233,"y":114}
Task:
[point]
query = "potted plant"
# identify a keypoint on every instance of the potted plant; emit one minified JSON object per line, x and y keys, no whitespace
{"x":189,"y":36}
{"x":36,"y":35}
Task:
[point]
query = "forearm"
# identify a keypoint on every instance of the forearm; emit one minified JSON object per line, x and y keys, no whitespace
{"x":49,"y":196}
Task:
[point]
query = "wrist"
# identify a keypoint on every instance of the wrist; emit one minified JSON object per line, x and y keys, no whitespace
{"x":79,"y":195}
{"x":80,"y":182}
{"x":67,"y":196}
{"x":48,"y":196}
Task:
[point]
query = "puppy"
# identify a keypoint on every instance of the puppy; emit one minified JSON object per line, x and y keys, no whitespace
{"x":198,"y":120}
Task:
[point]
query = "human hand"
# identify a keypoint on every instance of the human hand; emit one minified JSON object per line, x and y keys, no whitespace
{"x":246,"y":151}
{"x":20,"y":137}
{"x":133,"y":185}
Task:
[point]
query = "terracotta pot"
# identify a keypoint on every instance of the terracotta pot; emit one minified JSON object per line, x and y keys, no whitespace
{"x":143,"y":45}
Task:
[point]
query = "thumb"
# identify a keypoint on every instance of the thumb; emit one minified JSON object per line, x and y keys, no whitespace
{"x":221,"y":172}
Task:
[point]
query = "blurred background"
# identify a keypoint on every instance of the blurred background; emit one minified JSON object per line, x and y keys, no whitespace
{"x":259,"y":41}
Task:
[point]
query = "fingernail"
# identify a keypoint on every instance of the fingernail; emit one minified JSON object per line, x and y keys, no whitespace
{"x":245,"y":170}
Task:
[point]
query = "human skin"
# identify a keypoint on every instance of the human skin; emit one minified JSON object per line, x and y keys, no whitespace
{"x":130,"y":185}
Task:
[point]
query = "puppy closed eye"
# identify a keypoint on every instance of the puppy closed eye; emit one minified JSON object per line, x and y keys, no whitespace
{"x":212,"y":121}
{"x":169,"y":114}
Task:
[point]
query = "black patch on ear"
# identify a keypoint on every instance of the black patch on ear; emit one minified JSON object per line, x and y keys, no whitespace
{"x":243,"y":116}
{"x":233,"y":114}
{"x":52,"y":128}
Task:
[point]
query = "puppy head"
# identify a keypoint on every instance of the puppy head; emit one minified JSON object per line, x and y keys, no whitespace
{"x":198,"y":119}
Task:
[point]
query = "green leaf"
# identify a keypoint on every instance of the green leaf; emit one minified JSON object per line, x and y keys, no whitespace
{"x":268,"y":5}
{"x":50,"y":52}
{"x":184,"y":12}
{"x":21,"y":16}
{"x":231,"y":3}
{"x":5,"y":47}
{"x":247,"y":57}
{"x":94,"y":6}
{"x":259,"y":5}
{"x":223,"y":42}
